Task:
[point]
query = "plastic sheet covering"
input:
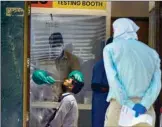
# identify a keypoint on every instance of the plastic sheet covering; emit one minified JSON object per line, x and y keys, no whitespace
{"x":83,"y":41}
{"x":12,"y":64}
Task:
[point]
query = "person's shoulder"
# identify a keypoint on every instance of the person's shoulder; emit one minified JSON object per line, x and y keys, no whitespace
{"x":69,"y":101}
{"x":70,"y":56}
{"x":108,"y":47}
{"x":147,"y":46}
{"x":69,"y":98}
{"x":99,"y":63}
{"x":155,"y":53}
{"x":149,"y":49}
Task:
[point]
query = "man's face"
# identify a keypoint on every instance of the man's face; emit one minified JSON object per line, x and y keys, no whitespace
{"x":68,"y":83}
{"x":56,"y":45}
{"x":56,"y":49}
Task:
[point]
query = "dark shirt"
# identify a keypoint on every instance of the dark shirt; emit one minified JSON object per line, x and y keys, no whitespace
{"x":99,"y":79}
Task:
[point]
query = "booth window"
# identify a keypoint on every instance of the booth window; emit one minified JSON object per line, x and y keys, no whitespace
{"x":83,"y":36}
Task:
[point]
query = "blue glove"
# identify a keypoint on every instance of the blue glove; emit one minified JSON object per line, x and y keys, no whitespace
{"x":139,"y":109}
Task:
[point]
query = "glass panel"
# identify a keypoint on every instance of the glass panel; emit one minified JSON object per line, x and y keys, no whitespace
{"x":12,"y":23}
{"x":83,"y":42}
{"x":82,"y":36}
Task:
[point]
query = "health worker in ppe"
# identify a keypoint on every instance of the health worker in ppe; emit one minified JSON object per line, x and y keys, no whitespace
{"x":61,"y":63}
{"x":133,"y":73}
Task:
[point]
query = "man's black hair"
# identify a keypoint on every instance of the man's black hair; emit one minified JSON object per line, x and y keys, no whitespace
{"x":109,"y":40}
{"x":77,"y":86}
{"x":55,"y":38}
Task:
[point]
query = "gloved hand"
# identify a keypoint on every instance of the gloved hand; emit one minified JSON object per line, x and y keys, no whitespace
{"x":139,"y":109}
{"x":41,"y":77}
{"x":77,"y":75}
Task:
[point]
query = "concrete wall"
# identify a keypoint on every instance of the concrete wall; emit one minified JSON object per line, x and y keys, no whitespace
{"x":130,"y":9}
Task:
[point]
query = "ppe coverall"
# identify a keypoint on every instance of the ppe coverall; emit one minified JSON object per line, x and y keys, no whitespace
{"x":133,"y":72}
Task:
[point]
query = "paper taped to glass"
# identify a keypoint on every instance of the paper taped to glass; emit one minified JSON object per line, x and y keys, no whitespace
{"x":128,"y":119}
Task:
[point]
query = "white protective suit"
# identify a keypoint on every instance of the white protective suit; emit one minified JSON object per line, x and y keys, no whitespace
{"x":133,"y":72}
{"x":132,"y":68}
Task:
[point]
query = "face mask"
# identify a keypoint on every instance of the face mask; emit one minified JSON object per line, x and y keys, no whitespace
{"x":55,"y":52}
